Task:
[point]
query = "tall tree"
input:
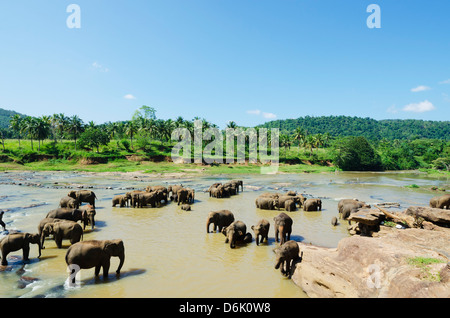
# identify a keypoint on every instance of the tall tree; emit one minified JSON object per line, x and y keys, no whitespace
{"x":15,"y":124}
{"x":75,"y":128}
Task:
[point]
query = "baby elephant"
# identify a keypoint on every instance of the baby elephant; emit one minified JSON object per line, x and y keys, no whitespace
{"x":312,"y":205}
{"x":289,"y":205}
{"x":69,"y":202}
{"x":286,"y":255}
{"x":121,"y":200}
{"x":17,"y":241}
{"x":236,"y":232}
{"x":261,"y":229}
{"x":69,"y":230}
{"x":186,"y":207}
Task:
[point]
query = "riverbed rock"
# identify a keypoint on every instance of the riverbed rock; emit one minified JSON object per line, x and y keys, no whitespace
{"x":439,"y":217}
{"x":367,"y":267}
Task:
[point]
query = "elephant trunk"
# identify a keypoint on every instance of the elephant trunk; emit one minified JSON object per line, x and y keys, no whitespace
{"x":42,"y":240}
{"x":279,"y":261}
{"x":92,"y":220}
{"x":122,"y":260}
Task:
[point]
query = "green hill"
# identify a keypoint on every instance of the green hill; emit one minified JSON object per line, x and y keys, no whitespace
{"x":5,"y":116}
{"x":369,"y":128}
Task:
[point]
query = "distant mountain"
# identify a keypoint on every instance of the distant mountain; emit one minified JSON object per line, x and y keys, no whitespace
{"x":367,"y":127}
{"x":5,"y":116}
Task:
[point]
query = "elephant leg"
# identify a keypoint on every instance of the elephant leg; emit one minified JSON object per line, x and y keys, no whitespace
{"x":97,"y":270}
{"x":276,"y":235}
{"x":257,"y":239}
{"x":26,"y":252}
{"x":106,"y":265}
{"x":4,"y":255}
{"x":58,"y":241}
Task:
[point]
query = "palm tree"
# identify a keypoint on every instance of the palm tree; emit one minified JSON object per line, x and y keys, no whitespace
{"x":42,"y":129}
{"x":75,"y":127}
{"x":131,"y":129}
{"x":15,"y":124}
{"x":29,"y":127}
{"x":285,"y":141}
{"x":300,"y":136}
{"x":231,"y":124}
{"x":61,"y":122}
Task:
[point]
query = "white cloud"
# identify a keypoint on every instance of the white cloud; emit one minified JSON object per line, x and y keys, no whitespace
{"x":445,"y":82}
{"x":254,"y":112}
{"x":269,"y":115}
{"x":421,"y":107}
{"x":129,"y":96}
{"x":100,"y":67}
{"x":420,"y":88}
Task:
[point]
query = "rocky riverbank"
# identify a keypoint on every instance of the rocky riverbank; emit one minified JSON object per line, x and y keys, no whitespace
{"x":405,"y":263}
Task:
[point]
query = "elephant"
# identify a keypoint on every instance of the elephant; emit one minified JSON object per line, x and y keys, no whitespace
{"x":270,"y":195}
{"x":312,"y":205}
{"x":156,"y":188}
{"x":289,"y":205}
{"x":143,"y":199}
{"x":261,"y":229}
{"x":291,"y":193}
{"x":286,"y":255}
{"x":238,"y":183}
{"x":334,"y":221}
{"x":45,"y":221}
{"x":161,"y":195}
{"x":62,"y":230}
{"x":17,"y":241}
{"x":267,"y":203}
{"x":216,"y":192}
{"x":283,"y":227}
{"x":235,"y":232}
{"x":96,"y":253}
{"x":230,"y":189}
{"x":85,"y":216}
{"x":182,"y":196}
{"x":191,"y":195}
{"x":121,"y":200}
{"x":345,"y":201}
{"x":350,"y":207}
{"x":220,"y":219}
{"x":135,"y":197}
{"x":84,"y":196}
{"x":69,"y":202}
{"x":186,"y":207}
{"x":441,"y":202}
{"x":174,"y":189}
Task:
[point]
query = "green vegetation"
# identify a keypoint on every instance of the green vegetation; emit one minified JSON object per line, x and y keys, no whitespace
{"x":424,"y":264}
{"x":58,"y":142}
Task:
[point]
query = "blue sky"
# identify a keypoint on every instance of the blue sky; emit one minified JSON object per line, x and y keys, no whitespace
{"x":249,"y":60}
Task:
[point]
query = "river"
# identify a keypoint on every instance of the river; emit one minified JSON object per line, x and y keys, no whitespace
{"x":168,"y":252}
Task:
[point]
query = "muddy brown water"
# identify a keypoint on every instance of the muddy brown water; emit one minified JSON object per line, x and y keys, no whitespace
{"x":168,"y":252}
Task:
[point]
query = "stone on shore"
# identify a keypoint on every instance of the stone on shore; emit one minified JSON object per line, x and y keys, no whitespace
{"x":367,"y":267}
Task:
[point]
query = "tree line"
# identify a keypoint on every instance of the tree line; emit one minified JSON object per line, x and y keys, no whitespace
{"x":348,"y":152}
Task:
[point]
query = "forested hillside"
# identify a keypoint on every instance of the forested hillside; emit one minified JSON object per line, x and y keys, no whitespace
{"x":369,"y":128}
{"x":5,"y":117}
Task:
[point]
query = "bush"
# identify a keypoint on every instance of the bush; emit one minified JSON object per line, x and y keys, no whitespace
{"x":355,"y":154}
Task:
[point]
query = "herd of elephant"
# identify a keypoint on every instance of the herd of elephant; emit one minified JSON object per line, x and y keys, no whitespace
{"x":62,"y":223}
{"x":155,"y":196}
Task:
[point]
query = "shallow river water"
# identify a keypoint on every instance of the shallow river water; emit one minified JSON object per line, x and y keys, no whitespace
{"x":168,"y":252}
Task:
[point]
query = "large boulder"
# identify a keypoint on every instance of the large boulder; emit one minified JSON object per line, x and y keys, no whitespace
{"x":439,"y":217}
{"x":382,"y":266}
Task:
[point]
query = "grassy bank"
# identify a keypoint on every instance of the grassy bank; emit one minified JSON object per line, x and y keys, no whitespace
{"x":155,"y":159}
